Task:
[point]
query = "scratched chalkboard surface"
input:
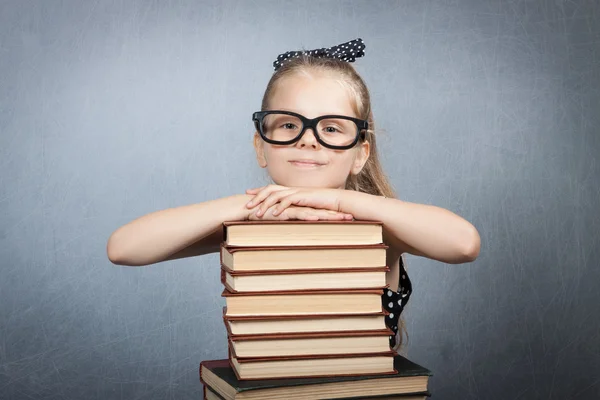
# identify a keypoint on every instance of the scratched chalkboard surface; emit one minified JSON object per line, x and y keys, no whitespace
{"x":110,"y":110}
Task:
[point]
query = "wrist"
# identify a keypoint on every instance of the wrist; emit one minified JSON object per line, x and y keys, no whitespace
{"x":354,"y":202}
{"x":238,"y":203}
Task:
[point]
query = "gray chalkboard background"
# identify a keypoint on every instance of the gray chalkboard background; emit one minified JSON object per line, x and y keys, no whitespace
{"x":113,"y":109}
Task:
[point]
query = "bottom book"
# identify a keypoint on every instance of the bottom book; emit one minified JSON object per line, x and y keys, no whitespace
{"x":209,"y":394}
{"x":409,"y":379}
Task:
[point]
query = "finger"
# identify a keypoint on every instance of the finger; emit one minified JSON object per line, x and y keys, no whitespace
{"x":259,"y":195}
{"x":343,"y":215}
{"x":297,"y":198}
{"x":273,"y":199}
{"x":262,"y":193}
{"x":315,"y":214}
{"x":306,"y":215}
{"x":327,"y":215}
{"x":289,"y":213}
{"x":284,"y":203}
{"x":254,"y":190}
{"x":335,"y":214}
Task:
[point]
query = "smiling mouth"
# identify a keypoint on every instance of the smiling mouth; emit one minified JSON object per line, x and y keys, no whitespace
{"x":306,"y":163}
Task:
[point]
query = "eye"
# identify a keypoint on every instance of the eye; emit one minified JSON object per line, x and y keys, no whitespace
{"x":331,"y":129}
{"x":289,"y":125}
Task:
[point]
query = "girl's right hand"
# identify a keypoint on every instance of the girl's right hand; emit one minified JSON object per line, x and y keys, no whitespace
{"x":299,"y":213}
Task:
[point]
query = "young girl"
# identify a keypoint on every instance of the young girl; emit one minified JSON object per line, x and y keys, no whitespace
{"x":315,"y":136}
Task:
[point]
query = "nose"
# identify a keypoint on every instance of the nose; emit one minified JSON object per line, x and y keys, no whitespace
{"x":308,"y":139}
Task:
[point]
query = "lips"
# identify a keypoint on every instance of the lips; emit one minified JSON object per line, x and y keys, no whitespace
{"x":306,"y":163}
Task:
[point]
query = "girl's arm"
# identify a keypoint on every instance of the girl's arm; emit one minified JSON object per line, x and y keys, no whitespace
{"x":192,"y":230}
{"x":185,"y":231}
{"x":418,"y":229}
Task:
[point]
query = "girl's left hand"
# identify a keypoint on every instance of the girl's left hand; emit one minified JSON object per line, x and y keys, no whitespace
{"x":267,"y":196}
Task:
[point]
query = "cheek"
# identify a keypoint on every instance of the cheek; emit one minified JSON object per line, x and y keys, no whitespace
{"x":275,"y":155}
{"x":344,"y":161}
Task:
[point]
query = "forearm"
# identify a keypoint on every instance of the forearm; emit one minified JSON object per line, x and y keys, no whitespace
{"x":423,"y":230}
{"x":153,"y":237}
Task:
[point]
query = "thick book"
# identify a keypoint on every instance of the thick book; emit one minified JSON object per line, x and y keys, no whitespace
{"x":310,"y":344}
{"x":209,"y":394}
{"x":326,"y":365}
{"x":408,"y":378}
{"x":320,"y":302}
{"x":282,"y":324}
{"x":302,"y":233}
{"x":271,"y":281}
{"x":302,"y":257}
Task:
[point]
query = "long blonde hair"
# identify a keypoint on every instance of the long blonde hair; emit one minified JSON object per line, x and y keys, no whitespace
{"x":371,"y":179}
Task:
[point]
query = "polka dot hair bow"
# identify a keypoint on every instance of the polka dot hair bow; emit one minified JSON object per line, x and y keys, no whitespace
{"x":348,"y":51}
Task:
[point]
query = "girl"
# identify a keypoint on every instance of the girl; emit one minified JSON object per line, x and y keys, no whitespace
{"x":315,"y":136}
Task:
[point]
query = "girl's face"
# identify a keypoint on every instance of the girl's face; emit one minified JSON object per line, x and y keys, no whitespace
{"x":306,"y":163}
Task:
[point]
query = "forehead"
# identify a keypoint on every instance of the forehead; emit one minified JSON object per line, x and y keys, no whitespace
{"x":312,"y":95}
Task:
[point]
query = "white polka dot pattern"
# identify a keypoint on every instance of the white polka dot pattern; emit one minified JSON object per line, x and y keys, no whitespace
{"x":348,"y":51}
{"x":394,"y":302}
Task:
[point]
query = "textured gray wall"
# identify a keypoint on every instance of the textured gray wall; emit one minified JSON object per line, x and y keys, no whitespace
{"x":112,"y":109}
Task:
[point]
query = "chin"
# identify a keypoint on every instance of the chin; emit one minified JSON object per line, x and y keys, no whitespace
{"x":306,"y":181}
{"x":306,"y":178}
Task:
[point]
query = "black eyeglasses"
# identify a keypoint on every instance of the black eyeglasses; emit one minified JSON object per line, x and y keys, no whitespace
{"x":337,"y":132}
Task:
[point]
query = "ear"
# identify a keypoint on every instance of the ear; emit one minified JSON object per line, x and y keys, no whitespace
{"x":260,"y":150}
{"x":362,"y":155}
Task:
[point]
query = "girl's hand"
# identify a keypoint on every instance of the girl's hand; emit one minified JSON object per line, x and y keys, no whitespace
{"x":299,"y":213}
{"x":268,"y":196}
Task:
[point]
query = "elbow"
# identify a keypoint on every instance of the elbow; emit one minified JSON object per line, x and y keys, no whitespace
{"x":114,"y":253}
{"x":472,"y":246}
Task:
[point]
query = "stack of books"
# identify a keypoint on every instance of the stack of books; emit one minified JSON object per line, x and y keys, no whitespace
{"x":409,"y":383}
{"x":304,"y":314}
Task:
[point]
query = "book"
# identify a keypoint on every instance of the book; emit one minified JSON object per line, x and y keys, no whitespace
{"x":261,"y":281}
{"x":406,"y":396}
{"x":302,"y":233}
{"x":353,"y":301}
{"x":310,"y":344}
{"x":408,"y":377}
{"x":209,"y":394}
{"x":325,"y":365}
{"x":264,"y":325}
{"x":302,"y":257}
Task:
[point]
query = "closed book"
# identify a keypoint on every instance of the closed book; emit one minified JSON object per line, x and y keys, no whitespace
{"x":354,"y":301}
{"x":302,"y":257}
{"x":302,"y":233}
{"x":303,"y":366}
{"x":408,"y":377}
{"x":209,"y":394}
{"x":282,"y":280}
{"x":281,"y":324}
{"x":310,"y":344}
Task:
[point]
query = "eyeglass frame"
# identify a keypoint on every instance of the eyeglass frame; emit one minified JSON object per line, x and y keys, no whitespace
{"x":361,"y":126}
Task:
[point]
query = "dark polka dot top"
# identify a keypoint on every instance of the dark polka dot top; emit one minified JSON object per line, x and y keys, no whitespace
{"x":394,"y":303}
